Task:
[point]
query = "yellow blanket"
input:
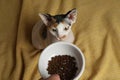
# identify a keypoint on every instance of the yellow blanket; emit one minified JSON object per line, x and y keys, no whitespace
{"x":97,"y":34}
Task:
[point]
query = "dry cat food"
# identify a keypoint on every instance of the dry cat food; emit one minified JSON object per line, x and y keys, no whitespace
{"x":64,"y":66}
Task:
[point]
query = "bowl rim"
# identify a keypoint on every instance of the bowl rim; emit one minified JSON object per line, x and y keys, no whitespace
{"x":66,"y":43}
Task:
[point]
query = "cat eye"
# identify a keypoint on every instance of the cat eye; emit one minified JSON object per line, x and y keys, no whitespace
{"x":69,"y":24}
{"x":66,"y":28}
{"x":54,"y":30}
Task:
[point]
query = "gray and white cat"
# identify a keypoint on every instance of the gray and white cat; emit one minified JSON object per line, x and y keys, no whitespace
{"x":53,"y":28}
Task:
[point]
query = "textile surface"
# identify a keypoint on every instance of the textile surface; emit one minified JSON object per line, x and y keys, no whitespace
{"x":96,"y":31}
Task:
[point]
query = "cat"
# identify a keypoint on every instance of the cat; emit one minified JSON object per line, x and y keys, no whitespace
{"x":52,"y":29}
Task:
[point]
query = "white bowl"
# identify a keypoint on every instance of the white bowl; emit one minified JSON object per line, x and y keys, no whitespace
{"x":61,"y":48}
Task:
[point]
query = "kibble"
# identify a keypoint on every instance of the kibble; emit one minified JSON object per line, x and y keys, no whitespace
{"x":64,"y":66}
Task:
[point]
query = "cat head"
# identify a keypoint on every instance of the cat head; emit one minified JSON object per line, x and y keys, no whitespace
{"x":59,"y":25}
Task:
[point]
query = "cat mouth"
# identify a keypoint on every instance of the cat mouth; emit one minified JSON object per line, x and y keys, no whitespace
{"x":61,"y":38}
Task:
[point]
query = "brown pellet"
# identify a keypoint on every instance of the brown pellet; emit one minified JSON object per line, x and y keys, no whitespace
{"x":64,"y":66}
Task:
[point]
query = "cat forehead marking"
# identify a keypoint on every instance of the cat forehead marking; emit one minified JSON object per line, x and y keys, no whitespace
{"x":59,"y":18}
{"x":56,"y":20}
{"x":56,"y":24}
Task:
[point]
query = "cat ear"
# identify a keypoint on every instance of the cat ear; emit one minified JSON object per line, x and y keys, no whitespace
{"x":72,"y":15}
{"x":46,"y":18}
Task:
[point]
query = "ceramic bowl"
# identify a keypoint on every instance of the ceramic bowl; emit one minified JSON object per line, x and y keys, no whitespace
{"x":61,"y":48}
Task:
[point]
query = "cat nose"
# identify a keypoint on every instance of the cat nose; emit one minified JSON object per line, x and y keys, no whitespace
{"x":58,"y":38}
{"x":61,"y":37}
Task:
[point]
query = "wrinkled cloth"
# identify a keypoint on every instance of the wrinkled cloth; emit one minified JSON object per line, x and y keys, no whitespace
{"x":96,"y":31}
